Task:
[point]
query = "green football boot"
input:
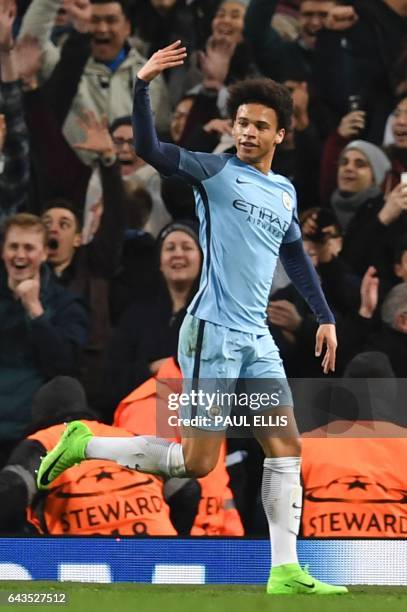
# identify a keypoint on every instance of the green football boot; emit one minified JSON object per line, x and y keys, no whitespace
{"x":290,"y":579}
{"x":69,"y":451}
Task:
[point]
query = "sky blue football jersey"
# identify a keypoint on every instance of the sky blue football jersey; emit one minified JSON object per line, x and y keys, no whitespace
{"x":244,"y":217}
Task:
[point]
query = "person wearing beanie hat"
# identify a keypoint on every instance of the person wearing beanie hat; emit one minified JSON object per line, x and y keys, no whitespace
{"x":362,"y":170}
{"x":61,"y":400}
{"x":188,"y":227}
{"x":378,"y":160}
{"x":147,"y":333}
{"x":371,"y":221}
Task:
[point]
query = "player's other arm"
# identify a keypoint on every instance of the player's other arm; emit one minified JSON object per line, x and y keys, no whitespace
{"x":302,"y":274}
{"x":162,"y":156}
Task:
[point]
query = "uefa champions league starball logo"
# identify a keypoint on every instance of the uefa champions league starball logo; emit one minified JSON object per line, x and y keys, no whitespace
{"x":287,"y":201}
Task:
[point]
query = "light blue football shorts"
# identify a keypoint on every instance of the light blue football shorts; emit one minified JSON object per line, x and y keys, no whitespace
{"x":213,"y":358}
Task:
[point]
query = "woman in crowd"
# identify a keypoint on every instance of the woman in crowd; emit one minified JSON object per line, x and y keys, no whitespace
{"x":147,"y":334}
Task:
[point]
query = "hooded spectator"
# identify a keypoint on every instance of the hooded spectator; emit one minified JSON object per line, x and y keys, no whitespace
{"x":362,"y":169}
{"x":80,"y":503}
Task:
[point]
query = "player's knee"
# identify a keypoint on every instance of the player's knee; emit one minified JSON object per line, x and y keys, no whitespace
{"x":291,"y":447}
{"x":198,"y":467}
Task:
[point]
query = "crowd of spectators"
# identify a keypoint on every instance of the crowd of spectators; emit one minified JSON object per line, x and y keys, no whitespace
{"x":100,"y":254}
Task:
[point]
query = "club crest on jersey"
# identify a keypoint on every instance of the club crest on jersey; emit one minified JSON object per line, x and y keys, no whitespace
{"x":287,"y":201}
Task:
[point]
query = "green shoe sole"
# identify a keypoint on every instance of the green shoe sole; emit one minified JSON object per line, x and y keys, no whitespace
{"x":284,"y":581}
{"x":69,"y":451}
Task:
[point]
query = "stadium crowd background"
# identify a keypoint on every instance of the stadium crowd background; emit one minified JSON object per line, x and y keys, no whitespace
{"x":123,"y":258}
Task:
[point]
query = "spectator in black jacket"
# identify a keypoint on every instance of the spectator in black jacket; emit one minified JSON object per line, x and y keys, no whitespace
{"x":299,"y":155}
{"x":276,"y":57}
{"x":159,"y":22}
{"x":383,"y":330}
{"x":391,"y":339}
{"x":88,"y":269}
{"x":290,"y":319}
{"x":42,"y":325}
{"x":357,"y":55}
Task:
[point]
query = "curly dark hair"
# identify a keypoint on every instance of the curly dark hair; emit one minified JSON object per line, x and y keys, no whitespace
{"x":262,"y":91}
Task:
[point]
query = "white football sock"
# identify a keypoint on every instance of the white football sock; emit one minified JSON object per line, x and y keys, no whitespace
{"x":282,"y":500}
{"x":143,"y":453}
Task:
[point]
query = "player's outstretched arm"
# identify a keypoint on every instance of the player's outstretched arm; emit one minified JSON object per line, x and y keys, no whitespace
{"x":162,"y":156}
{"x":302,"y":274}
{"x":161,"y":60}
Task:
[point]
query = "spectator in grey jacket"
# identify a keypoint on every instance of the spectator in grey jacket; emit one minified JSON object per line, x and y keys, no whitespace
{"x":108,"y":76}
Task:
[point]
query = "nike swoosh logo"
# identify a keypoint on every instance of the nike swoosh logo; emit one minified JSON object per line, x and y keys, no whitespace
{"x":309,"y":586}
{"x":238,"y":180}
{"x":44,"y":478}
{"x":297,"y":507}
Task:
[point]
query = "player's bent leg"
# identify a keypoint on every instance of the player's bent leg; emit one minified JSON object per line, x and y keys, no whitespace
{"x":201,"y":452}
{"x":143,"y":453}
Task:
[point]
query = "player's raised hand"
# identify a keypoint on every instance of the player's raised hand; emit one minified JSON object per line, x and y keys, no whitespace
{"x":169,"y":57}
{"x":326,"y":335}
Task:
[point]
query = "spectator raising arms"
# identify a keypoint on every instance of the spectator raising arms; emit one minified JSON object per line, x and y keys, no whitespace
{"x":107,"y":81}
{"x":87,"y":269}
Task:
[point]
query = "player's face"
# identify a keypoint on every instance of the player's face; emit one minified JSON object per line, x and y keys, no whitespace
{"x":180,"y":258}
{"x":110,"y":29}
{"x":256,"y":135}
{"x":229,"y":21}
{"x":400,"y":124}
{"x":63,"y":235}
{"x":354,"y":172}
{"x":23,"y":253}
